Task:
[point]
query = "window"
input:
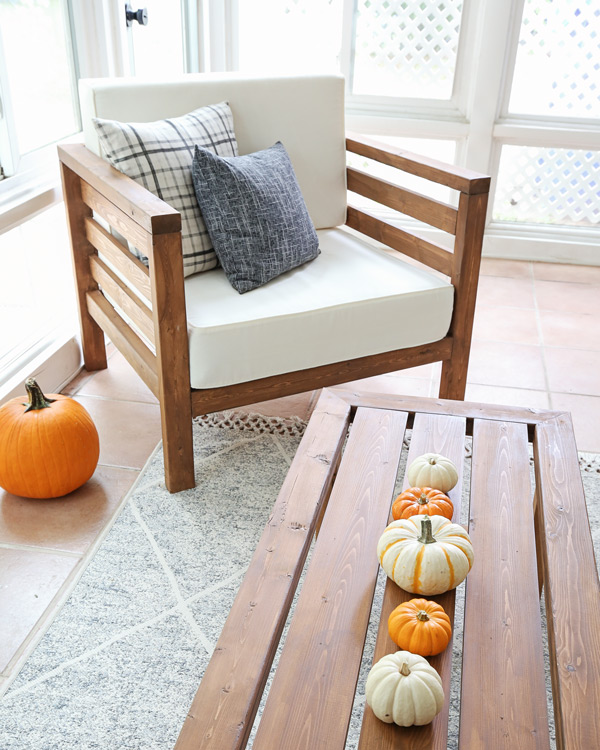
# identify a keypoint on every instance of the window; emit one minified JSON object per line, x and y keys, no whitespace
{"x":507,"y":88}
{"x":38,"y":79}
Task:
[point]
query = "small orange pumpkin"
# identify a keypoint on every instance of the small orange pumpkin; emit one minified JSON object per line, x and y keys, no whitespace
{"x":48,"y":447}
{"x":424,"y":500}
{"x":421,"y":627}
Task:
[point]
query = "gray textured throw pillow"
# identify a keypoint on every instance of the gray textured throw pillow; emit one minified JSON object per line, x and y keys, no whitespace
{"x":159,"y":155}
{"x":255,"y":214}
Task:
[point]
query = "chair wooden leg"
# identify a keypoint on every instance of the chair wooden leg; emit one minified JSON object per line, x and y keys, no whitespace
{"x":453,"y":382}
{"x":178,"y":449}
{"x":172,"y":356}
{"x":92,"y":336}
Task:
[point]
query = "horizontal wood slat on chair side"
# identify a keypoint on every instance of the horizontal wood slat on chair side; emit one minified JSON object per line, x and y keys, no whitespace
{"x":458,"y":178}
{"x":432,"y":212}
{"x":228,"y":697}
{"x":503,"y":691}
{"x":311,"y":696}
{"x":206,"y":400}
{"x":124,"y":338}
{"x":571,"y":587}
{"x":118,"y":219}
{"x":431,"y":433}
{"x":111,"y":285}
{"x":92,"y":336}
{"x":432,"y":255}
{"x":120,"y":257}
{"x":139,"y":204}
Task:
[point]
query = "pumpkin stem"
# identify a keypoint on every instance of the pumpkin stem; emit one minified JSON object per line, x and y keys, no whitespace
{"x":422,"y":615}
{"x":404,"y":669}
{"x":37,"y":400}
{"x":422,"y":499}
{"x":426,"y":533}
{"x":432,"y":461}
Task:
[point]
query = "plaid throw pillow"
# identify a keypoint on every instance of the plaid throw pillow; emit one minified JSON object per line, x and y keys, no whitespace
{"x":255,"y":214}
{"x":159,"y":155}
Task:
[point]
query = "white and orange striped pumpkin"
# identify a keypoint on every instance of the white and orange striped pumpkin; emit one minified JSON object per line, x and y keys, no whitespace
{"x":425,"y":554}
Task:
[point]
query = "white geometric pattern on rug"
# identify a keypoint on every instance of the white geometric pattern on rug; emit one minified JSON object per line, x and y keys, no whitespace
{"x":120,"y":664}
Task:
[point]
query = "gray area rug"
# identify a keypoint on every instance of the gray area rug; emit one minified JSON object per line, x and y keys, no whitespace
{"x":120,"y":664}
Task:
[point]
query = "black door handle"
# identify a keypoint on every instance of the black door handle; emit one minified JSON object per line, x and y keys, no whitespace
{"x":141,"y":15}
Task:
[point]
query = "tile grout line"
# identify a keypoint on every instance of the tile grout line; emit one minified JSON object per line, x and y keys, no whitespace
{"x":59,"y":600}
{"x":43,"y":550}
{"x":538,"y":320}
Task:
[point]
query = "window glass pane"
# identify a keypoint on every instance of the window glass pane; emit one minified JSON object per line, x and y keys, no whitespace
{"x":557,"y":69}
{"x":548,"y":186}
{"x":36,"y":284}
{"x":406,"y":49}
{"x":290,"y":36}
{"x":158,"y":46}
{"x":37,"y":53}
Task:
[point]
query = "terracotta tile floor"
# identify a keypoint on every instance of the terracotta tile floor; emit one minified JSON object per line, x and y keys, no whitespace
{"x":536,"y":343}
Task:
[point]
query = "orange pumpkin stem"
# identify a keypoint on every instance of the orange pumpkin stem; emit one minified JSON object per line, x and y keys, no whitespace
{"x":422,"y":615}
{"x":423,"y":499}
{"x":426,"y":533}
{"x":404,"y":669}
{"x":37,"y":400}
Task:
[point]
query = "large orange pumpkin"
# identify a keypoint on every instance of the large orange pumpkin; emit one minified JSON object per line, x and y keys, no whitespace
{"x":48,"y":447}
{"x":420,"y":626}
{"x":425,"y":500}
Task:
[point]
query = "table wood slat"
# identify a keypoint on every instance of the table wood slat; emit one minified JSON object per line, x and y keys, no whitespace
{"x":311,"y":697}
{"x":225,"y":704}
{"x":571,"y":586}
{"x":503,"y":695}
{"x":431,"y":434}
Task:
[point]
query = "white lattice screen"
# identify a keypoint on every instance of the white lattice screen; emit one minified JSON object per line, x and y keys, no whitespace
{"x":559,"y":50}
{"x":407,"y":48}
{"x":548,"y":186}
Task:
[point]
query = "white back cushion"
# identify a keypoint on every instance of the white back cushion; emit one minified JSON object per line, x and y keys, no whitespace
{"x":306,"y":113}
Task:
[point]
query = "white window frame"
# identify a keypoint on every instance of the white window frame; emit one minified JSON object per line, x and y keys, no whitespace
{"x":476,"y":117}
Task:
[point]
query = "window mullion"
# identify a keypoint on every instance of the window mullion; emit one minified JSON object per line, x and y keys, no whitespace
{"x":492,"y":66}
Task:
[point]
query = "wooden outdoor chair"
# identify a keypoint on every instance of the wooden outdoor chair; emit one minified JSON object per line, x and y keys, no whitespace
{"x":356,"y":311}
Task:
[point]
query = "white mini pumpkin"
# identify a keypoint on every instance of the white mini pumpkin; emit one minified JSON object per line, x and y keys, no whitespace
{"x":405,"y":689}
{"x":432,"y":470}
{"x":425,"y":554}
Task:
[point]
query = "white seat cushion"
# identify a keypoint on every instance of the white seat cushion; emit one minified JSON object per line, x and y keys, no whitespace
{"x":353,"y":300}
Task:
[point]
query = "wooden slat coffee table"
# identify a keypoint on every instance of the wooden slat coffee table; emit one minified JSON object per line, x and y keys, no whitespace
{"x":524,"y":538}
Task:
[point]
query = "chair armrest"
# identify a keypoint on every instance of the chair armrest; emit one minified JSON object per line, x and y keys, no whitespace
{"x":454,"y":177}
{"x":146,"y":209}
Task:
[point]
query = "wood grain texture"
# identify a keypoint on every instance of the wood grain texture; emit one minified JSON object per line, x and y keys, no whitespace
{"x":223,"y":710}
{"x":142,"y":206}
{"x":571,"y":587}
{"x":431,"y":434}
{"x":312,"y":693}
{"x":92,"y":336}
{"x":117,"y":218}
{"x":432,"y":255}
{"x":124,"y":338}
{"x":216,"y":399}
{"x":173,"y":360}
{"x":432,"y":212}
{"x":465,"y":276}
{"x":119,"y":256}
{"x":450,"y":175}
{"x":469,"y":409}
{"x":503,"y":693}
{"x":131,"y":305}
